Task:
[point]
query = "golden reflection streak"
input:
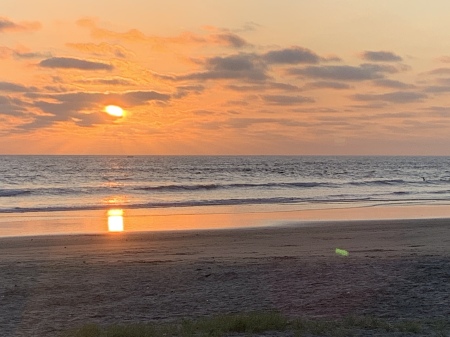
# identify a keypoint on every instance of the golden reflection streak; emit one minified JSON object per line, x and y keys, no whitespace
{"x":115,"y":220}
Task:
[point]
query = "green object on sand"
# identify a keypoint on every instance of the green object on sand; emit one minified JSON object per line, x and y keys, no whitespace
{"x":341,"y":252}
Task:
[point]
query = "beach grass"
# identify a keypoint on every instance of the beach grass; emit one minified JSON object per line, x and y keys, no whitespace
{"x":262,"y":323}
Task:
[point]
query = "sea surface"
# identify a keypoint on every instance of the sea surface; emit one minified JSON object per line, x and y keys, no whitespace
{"x":69,"y":183}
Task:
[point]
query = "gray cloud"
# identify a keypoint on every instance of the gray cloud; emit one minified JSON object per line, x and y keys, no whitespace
{"x":185,"y":90}
{"x":231,"y":39}
{"x":386,"y":83}
{"x":375,"y":105}
{"x":30,"y":55}
{"x":380,"y":56}
{"x":141,"y":97}
{"x":436,"y":89}
{"x":13,"y":87}
{"x":283,"y":86}
{"x":345,"y":73}
{"x":240,"y":66}
{"x":85,"y":108}
{"x":73,"y":63}
{"x":241,"y":123}
{"x":286,"y":100}
{"x":438,"y":111}
{"x":12,"y":106}
{"x":264,"y":86}
{"x":392,"y":97}
{"x":294,"y":55}
{"x":6,"y":52}
{"x":327,"y":85}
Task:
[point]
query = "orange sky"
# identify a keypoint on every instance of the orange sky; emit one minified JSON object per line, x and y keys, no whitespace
{"x":225,"y":77}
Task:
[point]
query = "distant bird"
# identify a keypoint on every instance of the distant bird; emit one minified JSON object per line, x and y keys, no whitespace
{"x":424,"y":179}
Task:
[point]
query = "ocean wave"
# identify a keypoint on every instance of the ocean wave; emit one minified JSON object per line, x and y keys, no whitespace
{"x":188,"y":203}
{"x":379,"y":182}
{"x":13,"y":193}
{"x":199,"y":187}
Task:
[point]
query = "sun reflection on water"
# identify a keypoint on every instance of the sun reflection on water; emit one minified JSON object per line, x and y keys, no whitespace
{"x":115,"y":220}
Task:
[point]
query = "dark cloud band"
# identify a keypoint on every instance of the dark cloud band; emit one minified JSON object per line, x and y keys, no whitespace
{"x":73,"y":63}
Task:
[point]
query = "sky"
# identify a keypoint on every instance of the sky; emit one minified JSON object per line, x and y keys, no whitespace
{"x":253,"y":77}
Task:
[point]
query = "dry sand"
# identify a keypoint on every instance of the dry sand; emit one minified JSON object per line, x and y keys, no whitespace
{"x":395,"y":269}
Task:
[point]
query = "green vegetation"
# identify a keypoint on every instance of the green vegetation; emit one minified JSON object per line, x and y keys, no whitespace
{"x":252,"y":324}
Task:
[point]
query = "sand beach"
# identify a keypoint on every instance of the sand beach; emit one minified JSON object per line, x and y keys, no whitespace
{"x":395,"y":269}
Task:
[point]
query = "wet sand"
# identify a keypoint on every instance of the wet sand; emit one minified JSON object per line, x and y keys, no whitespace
{"x":395,"y":269}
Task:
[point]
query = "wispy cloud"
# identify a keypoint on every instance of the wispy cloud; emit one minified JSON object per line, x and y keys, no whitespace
{"x":21,"y":53}
{"x":286,"y":100}
{"x":392,"y":97}
{"x":328,"y":85}
{"x":117,"y":80}
{"x":215,"y":36}
{"x":387,"y":83}
{"x":7,"y":25}
{"x":101,"y":49}
{"x":14,"y":87}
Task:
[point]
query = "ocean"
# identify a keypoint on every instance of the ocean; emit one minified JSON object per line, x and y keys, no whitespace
{"x":70,"y":183}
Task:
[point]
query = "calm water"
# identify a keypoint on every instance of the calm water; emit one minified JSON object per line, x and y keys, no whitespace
{"x":59,"y":183}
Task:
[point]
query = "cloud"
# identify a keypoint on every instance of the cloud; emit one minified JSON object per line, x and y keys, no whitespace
{"x":264,"y":86}
{"x":85,"y":108}
{"x":286,"y":100}
{"x":109,"y":81}
{"x":20,"y":53}
{"x":30,"y":55}
{"x":375,"y":105}
{"x":73,"y":63}
{"x":386,"y":83}
{"x":294,"y":55}
{"x":249,"y":26}
{"x":436,"y":89}
{"x":230,"y":39}
{"x":6,"y":26}
{"x":12,"y":106}
{"x":101,"y":49}
{"x":327,"y":85}
{"x":242,"y":122}
{"x":438,"y":111}
{"x":141,"y":97}
{"x":240,"y":66}
{"x":392,"y":97}
{"x":84,"y":100}
{"x":380,"y":56}
{"x":439,"y":71}
{"x":444,"y":59}
{"x":224,"y":38}
{"x":13,"y":87}
{"x":344,"y":73}
{"x":185,"y":90}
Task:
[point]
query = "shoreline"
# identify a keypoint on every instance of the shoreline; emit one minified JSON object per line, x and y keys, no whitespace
{"x":204,"y":218}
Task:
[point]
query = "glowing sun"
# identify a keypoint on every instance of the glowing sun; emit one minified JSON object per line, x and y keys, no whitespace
{"x":114,"y":110}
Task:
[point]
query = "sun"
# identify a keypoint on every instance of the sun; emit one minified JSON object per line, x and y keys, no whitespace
{"x":114,"y":110}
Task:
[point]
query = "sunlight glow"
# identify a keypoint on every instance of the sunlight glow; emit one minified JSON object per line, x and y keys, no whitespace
{"x":115,"y":220}
{"x":114,"y":110}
